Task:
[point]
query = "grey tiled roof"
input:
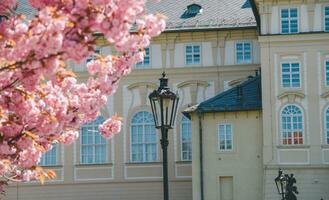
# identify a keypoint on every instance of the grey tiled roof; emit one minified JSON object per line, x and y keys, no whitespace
{"x":245,"y":96}
{"x":215,"y":13}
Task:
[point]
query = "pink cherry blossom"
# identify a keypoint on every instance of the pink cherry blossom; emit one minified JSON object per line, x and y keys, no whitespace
{"x":110,"y":127}
{"x":41,"y":101}
{"x":7,"y":5}
{"x":68,"y":137}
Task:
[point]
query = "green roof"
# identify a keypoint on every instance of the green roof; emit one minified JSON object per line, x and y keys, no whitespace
{"x":243,"y":97}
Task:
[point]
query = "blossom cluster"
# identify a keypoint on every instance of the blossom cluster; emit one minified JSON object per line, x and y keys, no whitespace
{"x":41,"y":101}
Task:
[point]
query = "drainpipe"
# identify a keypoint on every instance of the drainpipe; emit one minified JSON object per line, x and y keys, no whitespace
{"x":201,"y":155}
{"x":256,"y":14}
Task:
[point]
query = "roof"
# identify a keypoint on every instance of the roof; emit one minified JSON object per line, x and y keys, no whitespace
{"x":214,"y":14}
{"x":25,"y":8}
{"x":243,"y":97}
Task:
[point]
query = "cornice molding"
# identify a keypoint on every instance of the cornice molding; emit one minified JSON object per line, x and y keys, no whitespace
{"x":139,"y":84}
{"x":291,"y":95}
{"x":193,"y":82}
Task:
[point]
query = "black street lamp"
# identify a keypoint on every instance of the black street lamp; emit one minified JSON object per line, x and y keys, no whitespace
{"x":285,"y":185}
{"x":164,"y":107}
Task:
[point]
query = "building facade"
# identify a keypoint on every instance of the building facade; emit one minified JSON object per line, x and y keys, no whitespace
{"x":293,"y":37}
{"x":205,"y":49}
{"x":295,"y":49}
{"x":227,"y":144}
{"x":209,"y":48}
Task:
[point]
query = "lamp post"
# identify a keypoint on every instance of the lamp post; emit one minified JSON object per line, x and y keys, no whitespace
{"x":164,"y":108}
{"x":285,"y":186}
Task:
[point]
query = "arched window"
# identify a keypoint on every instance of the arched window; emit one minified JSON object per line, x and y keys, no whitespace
{"x":92,"y":144}
{"x":327,"y":126}
{"x":186,"y":139}
{"x":292,"y":128}
{"x":143,"y":138}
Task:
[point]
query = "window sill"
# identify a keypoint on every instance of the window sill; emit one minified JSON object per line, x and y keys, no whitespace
{"x":95,"y":165}
{"x":143,"y":163}
{"x":184,"y":162}
{"x":244,"y":63}
{"x":225,"y":151}
{"x":51,"y":166}
{"x":292,"y":33}
{"x":193,"y":65}
{"x":293,"y":146}
{"x":296,"y":90}
{"x":142,"y":68}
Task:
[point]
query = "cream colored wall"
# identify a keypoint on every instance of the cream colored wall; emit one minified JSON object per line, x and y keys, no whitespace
{"x":311,"y":157}
{"x":310,"y":15}
{"x":308,"y":161}
{"x":138,"y":190}
{"x":243,"y":163}
{"x":119,"y":178}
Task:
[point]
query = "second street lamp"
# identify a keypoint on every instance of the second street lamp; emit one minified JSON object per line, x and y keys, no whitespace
{"x":285,"y":186}
{"x":164,"y":108}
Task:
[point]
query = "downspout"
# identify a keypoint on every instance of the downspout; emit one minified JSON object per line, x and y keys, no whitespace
{"x":256,"y":14}
{"x":201,"y":155}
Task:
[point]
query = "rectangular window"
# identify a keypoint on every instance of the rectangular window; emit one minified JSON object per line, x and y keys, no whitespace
{"x":290,"y":75}
{"x":146,"y":62}
{"x":186,"y":139}
{"x":327,"y":127}
{"x":193,"y":54}
{"x":327,"y":72}
{"x":225,"y":137}
{"x":93,"y":145}
{"x":243,"y":52}
{"x":289,"y":20}
{"x":49,"y":158}
{"x":326,"y":18}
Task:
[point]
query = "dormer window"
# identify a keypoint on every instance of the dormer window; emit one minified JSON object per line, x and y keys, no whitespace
{"x":194,"y":9}
{"x":191,"y":11}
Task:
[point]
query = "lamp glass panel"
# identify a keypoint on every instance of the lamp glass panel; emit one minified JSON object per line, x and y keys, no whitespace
{"x":155,"y":104}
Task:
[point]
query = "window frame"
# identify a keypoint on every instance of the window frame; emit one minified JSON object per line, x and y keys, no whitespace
{"x":185,"y":54}
{"x":298,"y":19}
{"x":181,"y":139}
{"x":44,"y":163}
{"x":143,"y":65}
{"x":144,"y":152}
{"x":93,"y":146}
{"x":236,"y":52}
{"x":300,"y":74}
{"x":324,"y":17}
{"x":326,"y":76}
{"x":326,"y":128}
{"x":292,"y":129}
{"x":225,"y":141}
